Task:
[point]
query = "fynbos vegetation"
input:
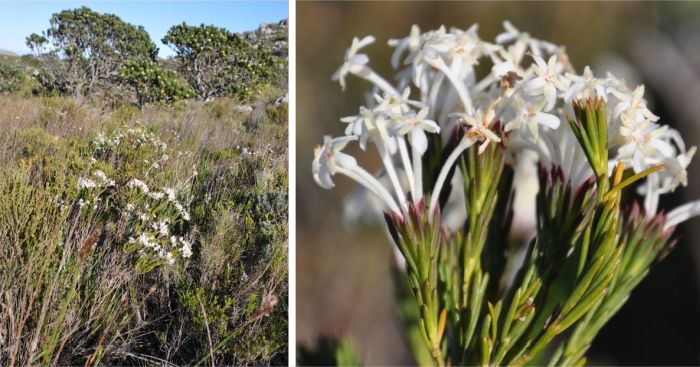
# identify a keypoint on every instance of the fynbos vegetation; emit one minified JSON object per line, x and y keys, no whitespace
{"x":132,"y":233}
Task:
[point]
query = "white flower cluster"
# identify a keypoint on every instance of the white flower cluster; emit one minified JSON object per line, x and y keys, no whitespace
{"x":168,"y":194}
{"x":528,"y":90}
{"x":155,"y":225}
{"x":101,"y":180}
{"x":153,"y":216}
{"x":153,"y":219}
{"x":248,"y":152}
{"x":136,"y":136}
{"x":164,"y":249}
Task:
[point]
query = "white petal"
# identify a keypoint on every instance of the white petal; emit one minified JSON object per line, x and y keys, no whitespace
{"x":366,"y":41}
{"x":340,"y":142}
{"x":548,"y":120}
{"x":550,"y":94}
{"x":505,"y":37}
{"x":359,"y":59}
{"x":430,"y":126}
{"x":512,"y":124}
{"x":663,"y":147}
{"x":573,"y":91}
{"x":540,"y":62}
{"x":682,"y":213}
{"x":620,"y":109}
{"x":422,"y":113}
{"x":502,"y":68}
{"x":533,"y":84}
{"x":323,"y":177}
{"x":600,"y":91}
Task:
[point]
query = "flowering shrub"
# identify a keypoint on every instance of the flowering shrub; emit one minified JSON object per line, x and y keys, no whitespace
{"x":151,"y":83}
{"x":453,"y":145}
{"x":82,"y":49}
{"x":217,"y":62}
{"x":155,"y":221}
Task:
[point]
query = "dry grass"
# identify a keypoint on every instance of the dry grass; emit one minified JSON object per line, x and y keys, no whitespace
{"x":74,"y":289}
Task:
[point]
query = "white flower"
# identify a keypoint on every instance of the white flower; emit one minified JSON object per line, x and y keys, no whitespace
{"x":460,"y":47}
{"x":520,"y":94}
{"x":186,"y":248}
{"x":105,"y":180}
{"x":503,"y":63}
{"x":633,"y":106}
{"x":138,"y":184}
{"x":329,"y":158}
{"x":412,"y":42}
{"x":156,"y":195}
{"x":415,"y":126}
{"x":530,"y":116}
{"x":181,"y":209}
{"x":675,"y":172}
{"x":163,"y":228}
{"x":643,"y":142}
{"x":585,"y":86}
{"x":353,"y":61}
{"x":523,"y":42}
{"x":480,"y":127}
{"x":147,"y":241}
{"x":171,"y":193}
{"x":85,"y":183}
{"x":547,"y":81}
{"x":370,"y":124}
{"x":396,"y":104}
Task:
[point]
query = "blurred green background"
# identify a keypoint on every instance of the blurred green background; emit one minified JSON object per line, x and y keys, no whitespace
{"x":344,"y":285}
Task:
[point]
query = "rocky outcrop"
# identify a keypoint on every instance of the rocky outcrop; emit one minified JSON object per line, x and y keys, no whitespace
{"x":272,"y":35}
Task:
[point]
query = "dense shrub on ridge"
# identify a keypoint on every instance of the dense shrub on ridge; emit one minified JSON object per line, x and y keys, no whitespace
{"x":217,"y":62}
{"x":90,"y":46}
{"x":90,"y":54}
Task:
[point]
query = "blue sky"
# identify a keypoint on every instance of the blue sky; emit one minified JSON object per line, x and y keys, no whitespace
{"x":18,"y":19}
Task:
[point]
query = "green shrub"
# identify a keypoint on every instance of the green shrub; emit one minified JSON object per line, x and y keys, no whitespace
{"x":217,"y":109}
{"x":219,"y":63}
{"x":60,"y":111}
{"x":88,"y":48}
{"x":53,"y":276}
{"x":151,"y":83}
{"x":11,"y":77}
{"x":125,"y":114}
{"x":278,"y":114}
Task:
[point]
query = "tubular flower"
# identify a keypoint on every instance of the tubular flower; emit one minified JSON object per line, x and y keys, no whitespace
{"x":464,"y":155}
